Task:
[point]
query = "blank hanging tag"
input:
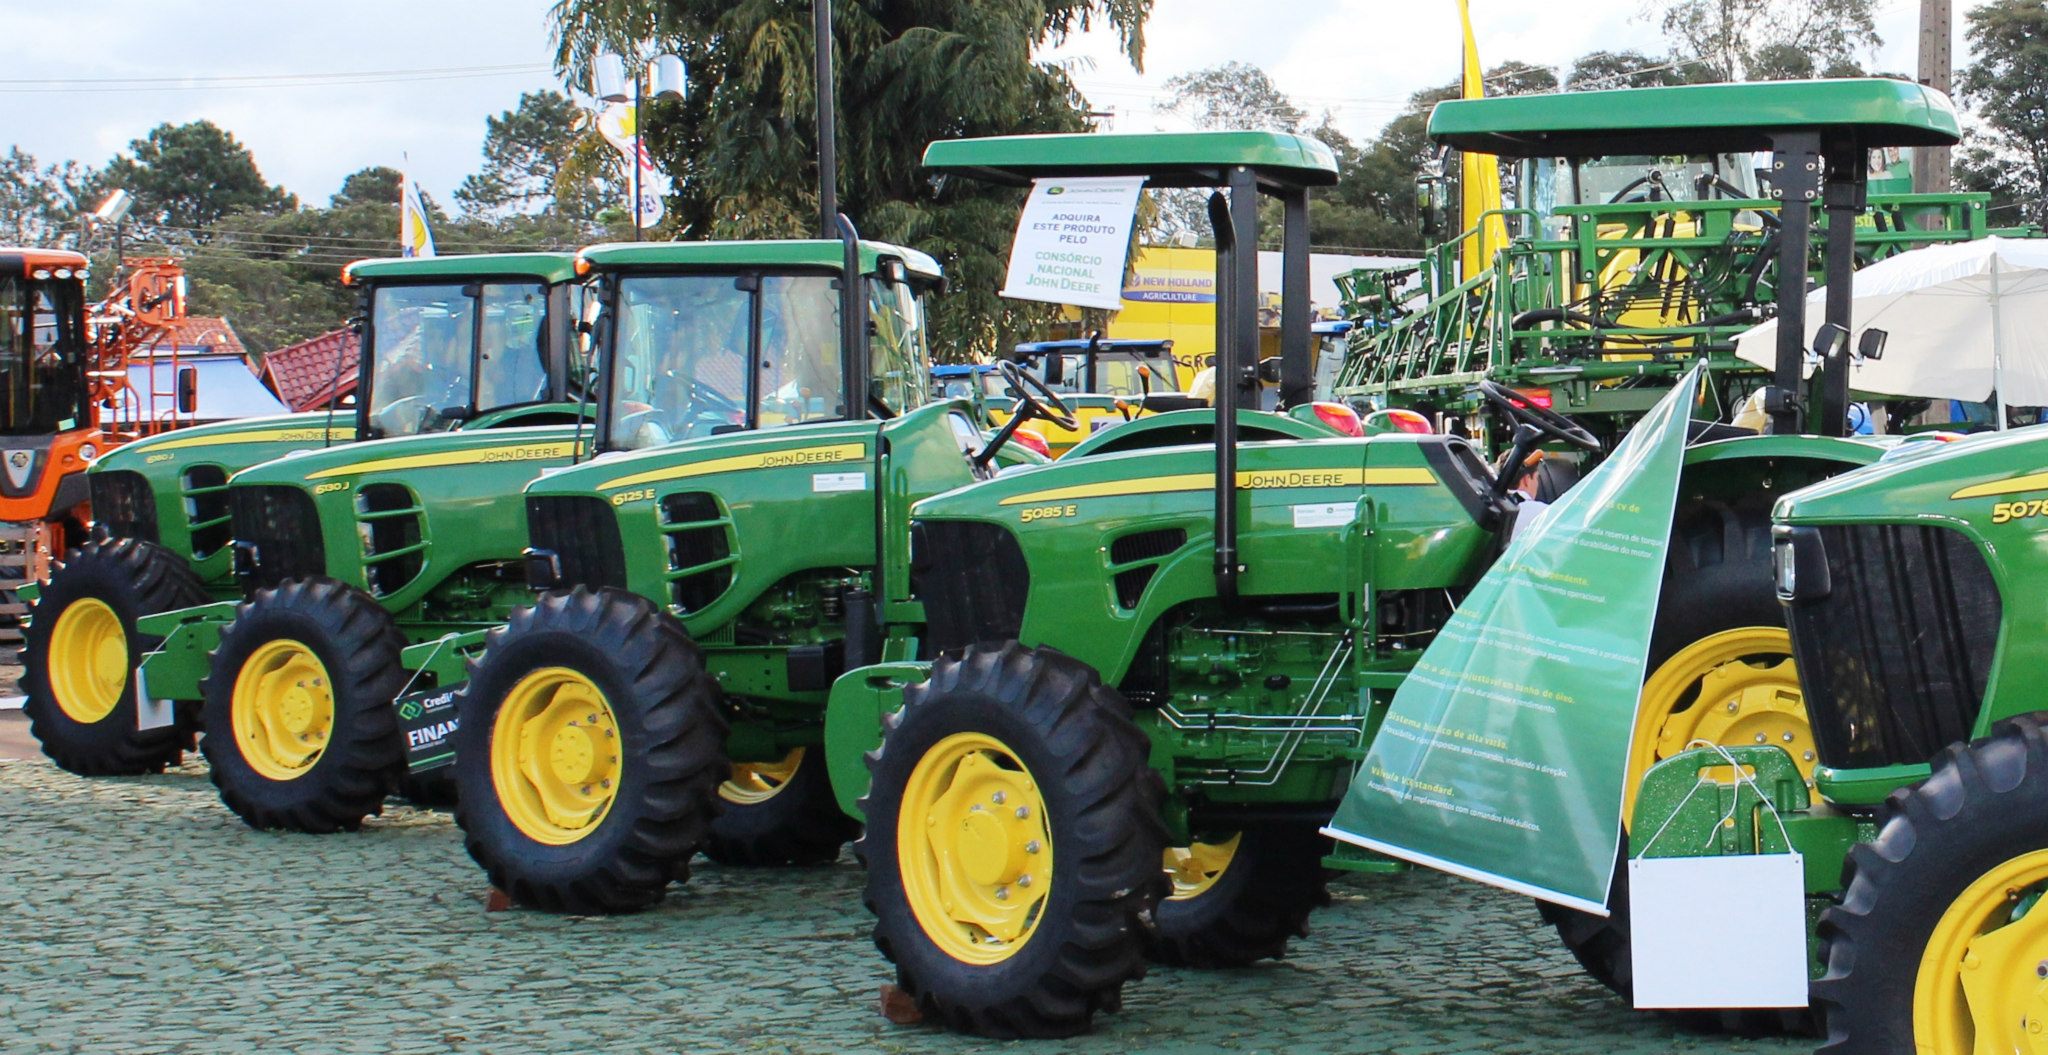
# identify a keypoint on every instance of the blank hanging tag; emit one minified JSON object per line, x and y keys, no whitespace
{"x":1718,"y":932}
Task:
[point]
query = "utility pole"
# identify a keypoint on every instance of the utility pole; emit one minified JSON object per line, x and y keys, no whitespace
{"x":828,"y":131}
{"x":1931,"y":164}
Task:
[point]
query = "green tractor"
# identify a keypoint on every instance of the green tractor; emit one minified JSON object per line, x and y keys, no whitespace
{"x":706,"y":592}
{"x":490,"y":335}
{"x":346,"y":556}
{"x":1126,"y":667}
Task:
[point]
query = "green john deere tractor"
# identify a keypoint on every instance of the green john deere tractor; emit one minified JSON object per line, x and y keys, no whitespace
{"x":705,"y":590}
{"x":346,"y":556}
{"x":163,"y":523}
{"x":1244,"y":650}
{"x":1925,"y":829}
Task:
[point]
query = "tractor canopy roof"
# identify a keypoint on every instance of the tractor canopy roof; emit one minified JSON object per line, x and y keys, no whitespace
{"x":548,"y":267}
{"x":24,"y":262}
{"x":1697,"y":118}
{"x":1165,"y":159}
{"x":816,"y":252}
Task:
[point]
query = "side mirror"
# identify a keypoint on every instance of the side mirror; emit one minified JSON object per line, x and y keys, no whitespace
{"x":1831,"y":340}
{"x":188,"y":389}
{"x":1871,"y":346}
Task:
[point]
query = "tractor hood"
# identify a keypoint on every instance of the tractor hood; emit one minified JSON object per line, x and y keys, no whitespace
{"x":1929,"y":481}
{"x":309,"y":431}
{"x":458,"y":451}
{"x":828,"y":447}
{"x":1088,"y":554}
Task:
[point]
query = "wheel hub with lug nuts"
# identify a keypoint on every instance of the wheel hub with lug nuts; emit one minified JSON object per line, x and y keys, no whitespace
{"x":974,"y":848}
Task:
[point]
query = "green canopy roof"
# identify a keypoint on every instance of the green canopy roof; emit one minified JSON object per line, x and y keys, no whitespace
{"x":816,"y":252}
{"x":548,"y":267}
{"x":1166,"y":159}
{"x":1696,"y":118}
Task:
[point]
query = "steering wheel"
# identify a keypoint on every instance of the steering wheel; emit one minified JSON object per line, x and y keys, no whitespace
{"x":1517,"y":408}
{"x":1046,"y":403}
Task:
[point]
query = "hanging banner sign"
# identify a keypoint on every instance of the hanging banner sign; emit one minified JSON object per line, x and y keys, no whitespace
{"x":1071,"y":241}
{"x":1503,"y":755}
{"x":619,"y":125}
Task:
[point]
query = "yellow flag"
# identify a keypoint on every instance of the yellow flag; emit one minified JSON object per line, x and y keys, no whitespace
{"x":1479,"y":174}
{"x":415,"y":236}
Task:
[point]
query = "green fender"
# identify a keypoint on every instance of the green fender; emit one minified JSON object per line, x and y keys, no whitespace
{"x":853,"y":723}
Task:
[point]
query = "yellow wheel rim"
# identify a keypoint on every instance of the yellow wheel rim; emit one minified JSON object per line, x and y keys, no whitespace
{"x":1196,"y":867}
{"x":555,"y":756}
{"x":974,"y":848}
{"x":1737,"y":687}
{"x":283,"y":709}
{"x":1983,"y":981}
{"x":88,"y":661}
{"x":753,"y":783}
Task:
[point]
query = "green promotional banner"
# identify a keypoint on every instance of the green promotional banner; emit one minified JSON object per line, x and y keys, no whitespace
{"x":1503,"y":755}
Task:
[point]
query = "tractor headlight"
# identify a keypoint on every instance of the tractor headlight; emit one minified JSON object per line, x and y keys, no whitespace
{"x":1799,"y":564}
{"x":87,"y":452}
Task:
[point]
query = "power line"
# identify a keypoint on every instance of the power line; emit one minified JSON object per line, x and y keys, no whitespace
{"x":239,"y":82}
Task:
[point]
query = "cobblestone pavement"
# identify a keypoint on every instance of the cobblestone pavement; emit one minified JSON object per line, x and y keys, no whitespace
{"x":145,"y":918}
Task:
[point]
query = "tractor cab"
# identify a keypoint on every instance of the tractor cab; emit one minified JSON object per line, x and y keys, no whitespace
{"x":43,"y":358}
{"x":449,"y":340}
{"x":705,"y":339}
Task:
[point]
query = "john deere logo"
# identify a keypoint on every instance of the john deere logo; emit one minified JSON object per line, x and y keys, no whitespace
{"x":1055,"y":190}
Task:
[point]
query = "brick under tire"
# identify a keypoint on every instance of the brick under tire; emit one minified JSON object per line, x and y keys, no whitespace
{"x":670,"y":727}
{"x":358,"y":644}
{"x":1985,"y":804}
{"x":1076,"y":743}
{"x":134,"y":578}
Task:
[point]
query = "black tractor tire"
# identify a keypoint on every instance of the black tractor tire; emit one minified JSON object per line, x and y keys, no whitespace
{"x":134,"y":578}
{"x":358,"y":644}
{"x":1985,"y":804}
{"x":1087,"y":760}
{"x":799,"y":824}
{"x":671,"y":728}
{"x":1717,"y":577}
{"x":1275,"y":879}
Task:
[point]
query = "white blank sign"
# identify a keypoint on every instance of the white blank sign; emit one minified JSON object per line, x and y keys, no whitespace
{"x":1718,"y":932}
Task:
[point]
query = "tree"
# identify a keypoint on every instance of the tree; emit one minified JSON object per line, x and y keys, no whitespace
{"x":741,"y":148}
{"x":1624,"y":69}
{"x":188,"y":176}
{"x":2007,"y":86}
{"x":40,"y":206}
{"x":1741,"y":40}
{"x":378,"y":183}
{"x":526,"y":152}
{"x":1234,"y":95}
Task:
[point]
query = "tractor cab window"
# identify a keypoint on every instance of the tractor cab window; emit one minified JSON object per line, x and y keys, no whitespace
{"x":899,"y":345}
{"x":441,"y":352}
{"x":42,"y":381}
{"x":1644,"y":177}
{"x":512,"y":365}
{"x":696,"y":355}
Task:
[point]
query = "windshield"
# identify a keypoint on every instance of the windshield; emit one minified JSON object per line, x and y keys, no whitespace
{"x":682,"y":345}
{"x":1116,"y":373}
{"x":901,"y":356}
{"x":428,"y":342}
{"x":1644,"y":177}
{"x":42,"y":383}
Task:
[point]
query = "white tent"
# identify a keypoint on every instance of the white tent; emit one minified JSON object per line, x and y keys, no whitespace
{"x":1966,"y":320}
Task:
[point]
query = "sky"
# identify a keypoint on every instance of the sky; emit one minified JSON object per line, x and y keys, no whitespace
{"x":319,"y":90}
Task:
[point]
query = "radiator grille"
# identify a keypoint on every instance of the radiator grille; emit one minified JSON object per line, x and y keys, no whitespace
{"x":123,"y":504}
{"x":583,"y":534}
{"x":972,"y":580}
{"x":700,"y":548}
{"x":1144,"y":549}
{"x":206,"y":509}
{"x":281,"y":529}
{"x":1894,"y":661}
{"x":389,"y":527}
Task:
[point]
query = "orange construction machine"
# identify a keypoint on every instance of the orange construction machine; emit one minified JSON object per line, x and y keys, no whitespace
{"x":67,"y":394}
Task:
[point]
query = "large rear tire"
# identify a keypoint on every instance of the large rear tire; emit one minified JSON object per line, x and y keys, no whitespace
{"x":589,"y":750}
{"x":1238,"y":900}
{"x":298,"y":723}
{"x":1013,"y":843}
{"x":781,"y":813}
{"x":1940,"y":942}
{"x":81,"y":650}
